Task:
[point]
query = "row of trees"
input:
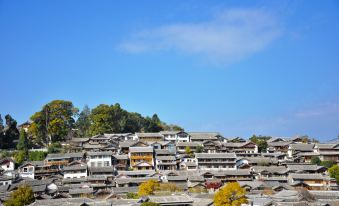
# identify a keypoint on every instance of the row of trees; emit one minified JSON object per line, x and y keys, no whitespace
{"x":60,"y":119}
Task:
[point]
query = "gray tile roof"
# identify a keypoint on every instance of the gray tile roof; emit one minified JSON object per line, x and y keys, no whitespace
{"x":141,"y":149}
{"x":64,"y":155}
{"x":316,"y":176}
{"x":101,"y":169}
{"x":204,"y":135}
{"x":187,"y":144}
{"x":80,"y":191}
{"x":171,"y":199}
{"x":134,"y":180}
{"x":75,"y":167}
{"x":149,"y":135}
{"x":303,"y":147}
{"x":216,"y":155}
{"x":100,"y":153}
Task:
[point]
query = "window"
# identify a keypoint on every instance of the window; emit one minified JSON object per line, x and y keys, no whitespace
{"x":99,"y":164}
{"x":92,"y":164}
{"x":106,"y":163}
{"x":25,"y":169}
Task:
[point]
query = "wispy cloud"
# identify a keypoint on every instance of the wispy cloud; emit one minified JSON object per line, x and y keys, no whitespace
{"x":229,"y":36}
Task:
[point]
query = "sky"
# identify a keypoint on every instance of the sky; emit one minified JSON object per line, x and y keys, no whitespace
{"x":236,"y":67}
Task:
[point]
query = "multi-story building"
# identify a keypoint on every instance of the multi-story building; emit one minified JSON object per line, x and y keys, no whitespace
{"x":176,"y":136}
{"x":141,"y":158}
{"x":149,"y":137}
{"x":77,"y":170}
{"x":99,"y":159}
{"x":216,"y":161}
{"x":59,"y":160}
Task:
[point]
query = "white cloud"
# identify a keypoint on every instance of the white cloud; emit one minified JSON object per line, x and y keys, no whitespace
{"x":228,"y":37}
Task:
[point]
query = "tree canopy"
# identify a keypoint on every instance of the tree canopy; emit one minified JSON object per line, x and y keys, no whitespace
{"x":147,"y":188}
{"x":261,"y":141}
{"x":230,"y":195}
{"x":22,"y":196}
{"x":9,"y":133}
{"x":54,"y":121}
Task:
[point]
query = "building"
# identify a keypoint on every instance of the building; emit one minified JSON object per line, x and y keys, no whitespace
{"x":28,"y":169}
{"x":175,"y":136}
{"x":59,"y":160}
{"x":7,"y":164}
{"x":203,"y":136}
{"x":216,"y":161}
{"x":99,"y":159}
{"x":149,"y":137}
{"x":75,"y":170}
{"x":141,"y":158}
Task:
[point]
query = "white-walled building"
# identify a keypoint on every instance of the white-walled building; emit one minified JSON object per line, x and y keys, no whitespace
{"x":75,"y":171}
{"x":99,"y":159}
{"x":175,"y":136}
{"x":216,"y":161}
{"x":7,"y":164}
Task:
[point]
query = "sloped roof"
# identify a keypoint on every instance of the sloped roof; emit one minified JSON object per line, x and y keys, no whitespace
{"x":141,"y":149}
{"x":303,"y":147}
{"x":215,"y":155}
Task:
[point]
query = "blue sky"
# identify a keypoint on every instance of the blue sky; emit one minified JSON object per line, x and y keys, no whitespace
{"x":240,"y":68}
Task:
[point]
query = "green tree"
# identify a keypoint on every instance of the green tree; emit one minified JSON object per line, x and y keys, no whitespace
{"x":55,"y":147}
{"x":230,"y":195}
{"x":37,"y":155}
{"x":23,"y":142}
{"x":132,"y":195}
{"x":84,"y":122}
{"x":199,"y":149}
{"x":327,"y":163}
{"x":22,"y":196}
{"x":20,"y":157}
{"x":54,"y":121}
{"x":106,"y":119}
{"x":315,"y":160}
{"x":334,"y":172}
{"x":261,"y":142}
{"x":11,"y":133}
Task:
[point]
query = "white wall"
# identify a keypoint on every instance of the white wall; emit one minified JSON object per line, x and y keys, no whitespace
{"x":8,"y":166}
{"x":95,"y":161}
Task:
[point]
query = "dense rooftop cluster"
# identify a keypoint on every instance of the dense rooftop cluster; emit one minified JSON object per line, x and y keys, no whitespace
{"x":103,"y":169}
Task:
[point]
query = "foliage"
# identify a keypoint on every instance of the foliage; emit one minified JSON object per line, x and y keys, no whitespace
{"x":188,"y":151}
{"x":56,"y":119}
{"x":20,"y":156}
{"x":55,"y":148}
{"x":113,"y":119}
{"x":334,"y":172}
{"x":23,"y":142}
{"x":10,"y":133}
{"x":22,"y":196}
{"x":199,"y":149}
{"x":315,"y":160}
{"x":84,"y":122}
{"x":149,"y":204}
{"x":327,"y":163}
{"x":261,"y":142}
{"x":147,"y":188}
{"x":230,"y":195}
{"x":37,"y":155}
{"x":132,"y":195}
